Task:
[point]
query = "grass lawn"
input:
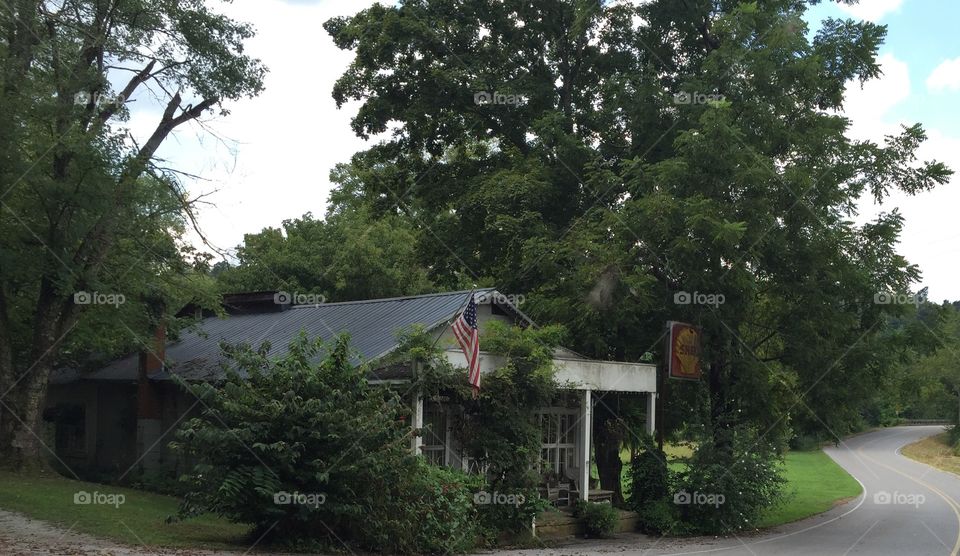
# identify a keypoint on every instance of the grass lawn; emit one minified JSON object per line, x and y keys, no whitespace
{"x":140,"y":519}
{"x":935,"y":451}
{"x":815,"y":483}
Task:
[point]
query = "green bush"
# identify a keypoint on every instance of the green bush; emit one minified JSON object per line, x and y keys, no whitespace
{"x":599,"y":519}
{"x":433,"y":513}
{"x":662,"y":517}
{"x":313,"y":456}
{"x":649,"y":478}
{"x":727,"y":489}
{"x":501,"y":426}
{"x":806,"y":442}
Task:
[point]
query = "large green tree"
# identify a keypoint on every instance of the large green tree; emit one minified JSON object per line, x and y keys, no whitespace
{"x":607,"y":156}
{"x":351,"y":254}
{"x":83,"y":206}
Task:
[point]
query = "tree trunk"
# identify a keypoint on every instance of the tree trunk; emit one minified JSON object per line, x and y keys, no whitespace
{"x":22,"y":447}
{"x":21,"y":411}
{"x":722,"y":404}
{"x":606,"y":444}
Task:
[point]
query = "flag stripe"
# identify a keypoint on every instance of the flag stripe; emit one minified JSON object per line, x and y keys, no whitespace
{"x":465,"y":330}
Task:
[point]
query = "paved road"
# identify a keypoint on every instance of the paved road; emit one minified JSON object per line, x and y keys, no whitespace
{"x":907,"y":508}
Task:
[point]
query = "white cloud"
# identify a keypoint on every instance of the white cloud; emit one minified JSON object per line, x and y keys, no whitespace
{"x":867,"y":106}
{"x":270,"y":158}
{"x":871,"y":10}
{"x":928,"y":239}
{"x":945,"y":77}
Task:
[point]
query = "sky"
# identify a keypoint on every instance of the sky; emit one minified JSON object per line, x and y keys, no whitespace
{"x":270,"y":158}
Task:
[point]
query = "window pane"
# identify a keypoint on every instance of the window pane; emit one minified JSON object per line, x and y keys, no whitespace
{"x":434,"y":425}
{"x":567,"y":428}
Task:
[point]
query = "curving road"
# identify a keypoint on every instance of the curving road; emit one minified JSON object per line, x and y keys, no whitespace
{"x":907,"y":508}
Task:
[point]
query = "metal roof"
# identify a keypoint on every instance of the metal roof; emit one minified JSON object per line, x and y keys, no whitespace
{"x":372,"y":326}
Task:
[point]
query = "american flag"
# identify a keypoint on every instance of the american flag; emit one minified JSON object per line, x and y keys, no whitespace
{"x":465,"y":329}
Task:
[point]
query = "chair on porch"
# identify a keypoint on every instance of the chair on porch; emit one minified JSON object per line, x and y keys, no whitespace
{"x":596,"y":495}
{"x":555,"y":490}
{"x":570,"y":474}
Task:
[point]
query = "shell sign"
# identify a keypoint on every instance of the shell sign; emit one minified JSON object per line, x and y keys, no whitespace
{"x":684,"y":351}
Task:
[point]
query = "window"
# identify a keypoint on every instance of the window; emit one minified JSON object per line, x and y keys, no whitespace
{"x":435,"y":434}
{"x":70,"y":432}
{"x":558,"y":433}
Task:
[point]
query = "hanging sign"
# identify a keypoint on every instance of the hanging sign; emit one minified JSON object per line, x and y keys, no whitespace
{"x":684,"y":351}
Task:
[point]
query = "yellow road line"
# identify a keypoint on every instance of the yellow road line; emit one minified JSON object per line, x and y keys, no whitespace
{"x":946,"y":498}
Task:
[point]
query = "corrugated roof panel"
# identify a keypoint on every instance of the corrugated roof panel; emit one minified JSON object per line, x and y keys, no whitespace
{"x":372,"y":325}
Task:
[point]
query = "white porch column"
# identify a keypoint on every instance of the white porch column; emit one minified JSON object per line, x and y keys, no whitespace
{"x":417,"y":407}
{"x":586,"y":418}
{"x":651,"y":412}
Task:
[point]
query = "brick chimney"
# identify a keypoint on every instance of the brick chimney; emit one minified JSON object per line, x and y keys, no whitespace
{"x":151,"y":362}
{"x":149,"y":401}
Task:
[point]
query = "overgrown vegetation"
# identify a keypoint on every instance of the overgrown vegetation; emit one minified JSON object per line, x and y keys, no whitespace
{"x":500,"y":428}
{"x":315,"y":454}
{"x":599,"y":519}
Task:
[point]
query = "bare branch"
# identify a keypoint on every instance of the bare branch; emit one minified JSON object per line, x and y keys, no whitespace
{"x":112,"y":107}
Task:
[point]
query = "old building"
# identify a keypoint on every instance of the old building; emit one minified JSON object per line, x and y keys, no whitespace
{"x":121,"y":418}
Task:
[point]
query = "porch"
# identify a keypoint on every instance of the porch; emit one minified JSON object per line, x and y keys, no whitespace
{"x":566,"y":449}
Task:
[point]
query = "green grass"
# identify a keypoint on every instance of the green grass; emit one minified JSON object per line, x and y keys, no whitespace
{"x":815,"y":483}
{"x":140,"y":519}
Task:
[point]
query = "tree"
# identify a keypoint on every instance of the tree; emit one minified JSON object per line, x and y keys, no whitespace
{"x":634,"y":154}
{"x":79,"y":196}
{"x":349,"y":255}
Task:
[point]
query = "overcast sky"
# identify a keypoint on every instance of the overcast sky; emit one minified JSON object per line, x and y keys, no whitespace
{"x":269,"y":160}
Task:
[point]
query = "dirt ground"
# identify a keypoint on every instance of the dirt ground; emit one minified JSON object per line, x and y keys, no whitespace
{"x":22,"y":536}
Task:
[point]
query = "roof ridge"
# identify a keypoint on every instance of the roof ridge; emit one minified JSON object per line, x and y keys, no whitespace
{"x":384,"y":299}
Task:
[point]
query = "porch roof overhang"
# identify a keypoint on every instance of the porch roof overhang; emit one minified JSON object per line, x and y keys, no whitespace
{"x":575,"y":373}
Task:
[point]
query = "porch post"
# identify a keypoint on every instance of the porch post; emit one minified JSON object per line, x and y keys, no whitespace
{"x":651,"y":412}
{"x":586,"y":418}
{"x":417,"y":441}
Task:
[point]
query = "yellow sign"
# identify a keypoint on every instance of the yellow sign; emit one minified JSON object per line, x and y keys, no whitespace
{"x":684,"y":353}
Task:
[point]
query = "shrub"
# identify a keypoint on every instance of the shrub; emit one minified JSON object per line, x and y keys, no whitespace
{"x":599,"y":519}
{"x":662,"y":517}
{"x":649,"y":477}
{"x":727,"y":489}
{"x":312,"y":455}
{"x":433,"y":513}
{"x":501,"y":427}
